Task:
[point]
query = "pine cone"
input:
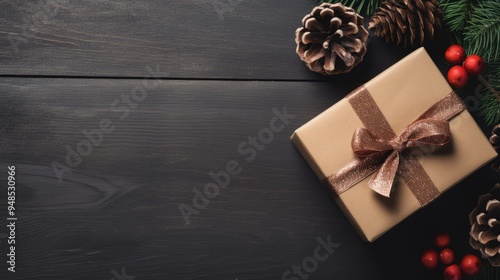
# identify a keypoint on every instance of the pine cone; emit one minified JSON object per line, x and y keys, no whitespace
{"x":485,"y":230}
{"x":330,"y":32}
{"x":407,"y":22}
{"x":495,"y":140}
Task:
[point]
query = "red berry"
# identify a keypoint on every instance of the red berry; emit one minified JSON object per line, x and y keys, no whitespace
{"x":470,"y":265}
{"x":430,"y":259}
{"x":452,"y":272}
{"x":442,"y":240}
{"x":447,"y":256}
{"x":455,"y":55}
{"x":474,"y":64}
{"x":457,"y":76}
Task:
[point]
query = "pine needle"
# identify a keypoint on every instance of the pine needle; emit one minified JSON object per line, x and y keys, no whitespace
{"x":489,"y":102}
{"x":455,"y":13}
{"x":482,"y":33}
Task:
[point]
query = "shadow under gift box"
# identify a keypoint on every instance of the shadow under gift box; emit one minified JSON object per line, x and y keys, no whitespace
{"x":402,"y":92}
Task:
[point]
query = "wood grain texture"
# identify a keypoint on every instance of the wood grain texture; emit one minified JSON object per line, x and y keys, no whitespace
{"x":186,"y":38}
{"x":71,"y":66}
{"x":119,"y":207}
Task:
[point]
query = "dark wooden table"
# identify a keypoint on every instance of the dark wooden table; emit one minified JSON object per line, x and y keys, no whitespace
{"x":114,"y":114}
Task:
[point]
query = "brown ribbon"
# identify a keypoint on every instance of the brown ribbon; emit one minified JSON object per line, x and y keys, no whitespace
{"x":379,"y":150}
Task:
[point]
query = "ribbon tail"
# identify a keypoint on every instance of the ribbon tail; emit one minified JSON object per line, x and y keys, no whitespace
{"x":383,"y":179}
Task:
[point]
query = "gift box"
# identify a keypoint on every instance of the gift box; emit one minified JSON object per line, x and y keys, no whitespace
{"x":393,"y":145}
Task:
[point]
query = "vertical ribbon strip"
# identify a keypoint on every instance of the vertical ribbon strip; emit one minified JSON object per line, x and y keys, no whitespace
{"x":379,"y":150}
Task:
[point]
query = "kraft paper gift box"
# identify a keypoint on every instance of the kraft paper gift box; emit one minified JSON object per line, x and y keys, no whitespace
{"x":402,"y":93}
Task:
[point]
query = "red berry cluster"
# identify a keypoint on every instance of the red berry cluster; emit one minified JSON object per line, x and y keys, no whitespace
{"x":458,"y":75}
{"x":469,"y":266}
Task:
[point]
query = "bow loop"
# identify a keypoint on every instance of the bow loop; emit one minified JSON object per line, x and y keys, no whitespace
{"x":427,"y":131}
{"x":366,"y":144}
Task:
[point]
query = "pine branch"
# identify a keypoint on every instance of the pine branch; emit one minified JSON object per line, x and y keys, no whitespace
{"x":482,"y":33}
{"x":363,"y":7}
{"x":489,"y":108}
{"x":455,"y":13}
{"x":489,"y":91}
{"x":485,"y":83}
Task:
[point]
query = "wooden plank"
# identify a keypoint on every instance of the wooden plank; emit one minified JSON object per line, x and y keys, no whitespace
{"x":119,"y":207}
{"x":221,"y":39}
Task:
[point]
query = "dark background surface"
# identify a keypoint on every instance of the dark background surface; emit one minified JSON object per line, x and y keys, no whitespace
{"x":219,"y":77}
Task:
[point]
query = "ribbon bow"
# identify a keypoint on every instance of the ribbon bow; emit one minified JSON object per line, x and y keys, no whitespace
{"x":379,"y":150}
{"x":423,"y":132}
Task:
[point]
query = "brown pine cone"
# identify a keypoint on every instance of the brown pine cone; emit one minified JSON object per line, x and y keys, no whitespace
{"x":332,"y":39}
{"x":485,"y":230}
{"x":407,"y":22}
{"x":495,"y":140}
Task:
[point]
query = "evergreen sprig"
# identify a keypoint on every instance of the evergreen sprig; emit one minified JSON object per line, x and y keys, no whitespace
{"x":489,"y":103}
{"x":363,"y":7}
{"x":482,"y":32}
{"x":455,"y":13}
